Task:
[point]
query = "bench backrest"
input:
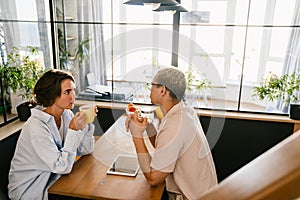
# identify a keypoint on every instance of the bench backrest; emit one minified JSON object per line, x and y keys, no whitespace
{"x":273,"y":175}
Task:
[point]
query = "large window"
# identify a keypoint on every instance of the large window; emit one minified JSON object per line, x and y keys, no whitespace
{"x":229,"y":46}
{"x":233,"y":45}
{"x":245,"y":41}
{"x":23,"y":24}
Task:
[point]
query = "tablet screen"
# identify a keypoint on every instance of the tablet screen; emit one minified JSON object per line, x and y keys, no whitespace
{"x":124,"y":165}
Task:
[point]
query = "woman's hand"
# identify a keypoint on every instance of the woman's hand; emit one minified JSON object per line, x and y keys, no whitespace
{"x":78,"y":122}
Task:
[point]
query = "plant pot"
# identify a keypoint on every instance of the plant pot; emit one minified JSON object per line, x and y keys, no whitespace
{"x":295,"y":111}
{"x":24,"y":111}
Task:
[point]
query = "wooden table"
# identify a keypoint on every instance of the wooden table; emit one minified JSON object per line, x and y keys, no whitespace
{"x":88,"y":178}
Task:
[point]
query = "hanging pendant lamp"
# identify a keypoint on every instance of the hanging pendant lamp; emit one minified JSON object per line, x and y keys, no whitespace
{"x":174,"y":8}
{"x":159,"y":5}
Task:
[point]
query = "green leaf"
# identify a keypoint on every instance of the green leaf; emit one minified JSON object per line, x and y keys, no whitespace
{"x":21,"y":72}
{"x":285,"y":88}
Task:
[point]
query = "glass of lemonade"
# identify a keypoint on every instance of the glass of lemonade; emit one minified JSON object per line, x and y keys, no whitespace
{"x":89,"y":111}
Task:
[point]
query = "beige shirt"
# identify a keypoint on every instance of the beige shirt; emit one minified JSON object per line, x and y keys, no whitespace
{"x":182,"y":149}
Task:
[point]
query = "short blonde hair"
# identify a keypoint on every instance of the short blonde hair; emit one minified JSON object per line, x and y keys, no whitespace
{"x":173,"y":79}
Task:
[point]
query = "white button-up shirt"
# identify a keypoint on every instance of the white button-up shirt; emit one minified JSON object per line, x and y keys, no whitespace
{"x":42,"y":155}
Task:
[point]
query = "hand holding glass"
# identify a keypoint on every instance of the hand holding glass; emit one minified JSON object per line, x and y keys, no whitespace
{"x":89,"y":111}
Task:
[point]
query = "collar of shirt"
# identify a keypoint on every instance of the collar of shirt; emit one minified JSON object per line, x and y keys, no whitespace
{"x":39,"y":113}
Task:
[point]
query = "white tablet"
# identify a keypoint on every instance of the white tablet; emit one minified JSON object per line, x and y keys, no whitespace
{"x":124,"y":165}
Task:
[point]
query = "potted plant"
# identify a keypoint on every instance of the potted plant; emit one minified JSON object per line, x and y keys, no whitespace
{"x":19,"y":74}
{"x":285,"y":88}
{"x":66,"y":57}
{"x":196,"y":84}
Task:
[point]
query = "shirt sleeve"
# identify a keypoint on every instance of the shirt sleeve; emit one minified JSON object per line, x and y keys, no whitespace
{"x":87,"y":140}
{"x":72,"y":141}
{"x":82,"y":141}
{"x":53,"y":159}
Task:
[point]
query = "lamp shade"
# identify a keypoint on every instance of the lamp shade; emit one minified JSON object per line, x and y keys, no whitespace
{"x":142,"y":2}
{"x":177,"y":8}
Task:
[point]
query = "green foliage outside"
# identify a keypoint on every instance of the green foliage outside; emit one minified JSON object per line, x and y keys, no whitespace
{"x":21,"y":72}
{"x":195,"y":81}
{"x":285,"y":87}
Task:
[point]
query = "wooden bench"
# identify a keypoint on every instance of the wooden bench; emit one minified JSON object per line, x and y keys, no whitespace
{"x":273,"y":175}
